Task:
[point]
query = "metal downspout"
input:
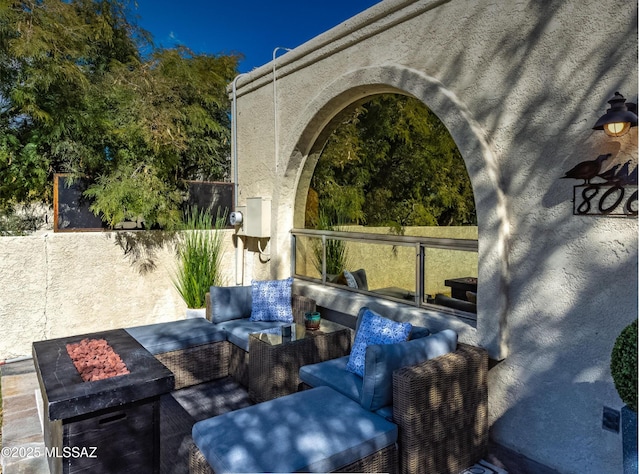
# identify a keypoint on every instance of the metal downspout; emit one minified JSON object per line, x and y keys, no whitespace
{"x":234,"y":154}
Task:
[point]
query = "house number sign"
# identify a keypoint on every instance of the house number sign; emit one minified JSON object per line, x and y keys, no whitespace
{"x":614,"y":193}
{"x":607,"y":200}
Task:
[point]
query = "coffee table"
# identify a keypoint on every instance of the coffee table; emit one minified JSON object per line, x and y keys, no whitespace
{"x":274,"y":360}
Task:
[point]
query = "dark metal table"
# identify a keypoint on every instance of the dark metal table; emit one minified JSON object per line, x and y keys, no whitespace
{"x":460,"y":286}
{"x":274,"y":360}
{"x":110,"y":425}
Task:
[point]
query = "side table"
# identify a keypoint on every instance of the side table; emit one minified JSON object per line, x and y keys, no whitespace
{"x":275,"y":360}
{"x":460,"y":286}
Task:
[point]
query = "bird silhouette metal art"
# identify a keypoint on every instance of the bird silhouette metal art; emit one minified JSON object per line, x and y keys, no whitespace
{"x":587,"y":170}
{"x":624,"y":176}
{"x":615,"y":193}
{"x":610,"y":175}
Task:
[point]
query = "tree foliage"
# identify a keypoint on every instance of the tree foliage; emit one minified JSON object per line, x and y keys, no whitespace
{"x":77,"y":96}
{"x":392,"y":162}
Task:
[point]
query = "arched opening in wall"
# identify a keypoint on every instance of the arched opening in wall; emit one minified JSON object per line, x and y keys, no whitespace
{"x":391,"y":208}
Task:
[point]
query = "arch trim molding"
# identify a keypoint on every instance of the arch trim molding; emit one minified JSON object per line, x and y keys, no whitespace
{"x":303,"y":142}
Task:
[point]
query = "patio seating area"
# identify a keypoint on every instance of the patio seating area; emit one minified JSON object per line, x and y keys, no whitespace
{"x":22,"y":427}
{"x":419,"y":405}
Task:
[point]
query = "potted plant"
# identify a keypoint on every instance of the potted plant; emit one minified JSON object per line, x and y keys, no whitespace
{"x":624,"y":370}
{"x":199,"y":248}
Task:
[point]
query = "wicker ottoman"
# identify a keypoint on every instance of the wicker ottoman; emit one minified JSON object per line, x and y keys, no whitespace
{"x":317,"y":430}
{"x":193,"y":349}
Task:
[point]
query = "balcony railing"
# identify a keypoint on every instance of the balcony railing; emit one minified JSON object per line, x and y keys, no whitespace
{"x":418,"y":270}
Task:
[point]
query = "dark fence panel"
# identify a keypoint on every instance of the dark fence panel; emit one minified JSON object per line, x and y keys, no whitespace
{"x":215,"y":196}
{"x":71,"y":209}
{"x":72,"y":214}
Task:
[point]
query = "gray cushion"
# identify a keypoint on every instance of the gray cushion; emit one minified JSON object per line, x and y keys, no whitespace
{"x":382,"y":359}
{"x":361,"y":279}
{"x":316,"y":430}
{"x":230,"y":302}
{"x":176,"y":335}
{"x":385,"y":412}
{"x":333,"y":373}
{"x":238,"y":330}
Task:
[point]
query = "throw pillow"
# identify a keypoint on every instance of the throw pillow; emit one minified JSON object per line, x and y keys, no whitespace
{"x":271,"y":300}
{"x":374,"y":329}
{"x":351,"y":281}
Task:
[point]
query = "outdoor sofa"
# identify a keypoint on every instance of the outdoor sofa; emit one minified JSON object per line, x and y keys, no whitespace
{"x":200,"y":350}
{"x":421,"y":407}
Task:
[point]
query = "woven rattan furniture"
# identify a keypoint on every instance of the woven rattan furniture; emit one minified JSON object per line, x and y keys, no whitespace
{"x":198,"y":364}
{"x":385,"y":460}
{"x":440,"y":407}
{"x":193,"y":349}
{"x":198,"y":351}
{"x":274,"y":360}
{"x":318,"y":430}
{"x":238,"y":365}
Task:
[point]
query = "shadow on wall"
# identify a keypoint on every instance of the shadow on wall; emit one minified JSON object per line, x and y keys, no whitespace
{"x":141,"y":248}
{"x":579,"y":272}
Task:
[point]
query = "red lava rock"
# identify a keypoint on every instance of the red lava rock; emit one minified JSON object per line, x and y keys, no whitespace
{"x":95,"y":360}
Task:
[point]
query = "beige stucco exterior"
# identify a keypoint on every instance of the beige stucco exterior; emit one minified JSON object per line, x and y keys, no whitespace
{"x":62,"y":284}
{"x":519,"y":84}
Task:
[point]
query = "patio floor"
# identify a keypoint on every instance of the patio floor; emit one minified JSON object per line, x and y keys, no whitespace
{"x":21,"y":427}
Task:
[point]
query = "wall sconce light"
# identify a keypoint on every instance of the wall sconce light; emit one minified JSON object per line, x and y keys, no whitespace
{"x":619,"y":118}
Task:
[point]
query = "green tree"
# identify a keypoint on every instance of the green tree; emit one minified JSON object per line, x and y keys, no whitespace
{"x":77,"y":96}
{"x":394,"y":163}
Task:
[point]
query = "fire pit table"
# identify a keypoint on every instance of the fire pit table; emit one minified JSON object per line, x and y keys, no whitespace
{"x":105,"y":426}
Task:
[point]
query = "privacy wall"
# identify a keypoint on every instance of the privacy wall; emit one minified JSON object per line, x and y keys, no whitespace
{"x":519,"y":85}
{"x":63,"y":284}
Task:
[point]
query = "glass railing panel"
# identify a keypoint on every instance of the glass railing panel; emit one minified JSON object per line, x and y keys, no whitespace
{"x":450,"y":274}
{"x":389,"y":265}
{"x":307,"y":259}
{"x":390,"y":270}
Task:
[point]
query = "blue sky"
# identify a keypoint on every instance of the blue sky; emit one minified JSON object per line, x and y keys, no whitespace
{"x":251,"y":27}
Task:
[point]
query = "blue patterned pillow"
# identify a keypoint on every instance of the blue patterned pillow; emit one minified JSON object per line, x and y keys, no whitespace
{"x":271,"y":300}
{"x":374,"y":329}
{"x":351,"y":281}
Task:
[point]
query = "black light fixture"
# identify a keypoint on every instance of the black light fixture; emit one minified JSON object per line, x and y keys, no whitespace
{"x":619,"y":118}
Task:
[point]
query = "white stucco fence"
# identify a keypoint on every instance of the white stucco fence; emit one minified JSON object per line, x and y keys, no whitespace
{"x":61,"y":284}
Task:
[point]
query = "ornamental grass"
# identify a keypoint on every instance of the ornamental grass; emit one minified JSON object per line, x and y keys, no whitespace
{"x":199,"y":249}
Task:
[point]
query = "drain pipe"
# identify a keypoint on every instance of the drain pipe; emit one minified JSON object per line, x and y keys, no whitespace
{"x":276,"y":150}
{"x":236,"y":196}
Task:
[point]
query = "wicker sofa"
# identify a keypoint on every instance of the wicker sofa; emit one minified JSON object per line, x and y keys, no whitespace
{"x":229,"y":309}
{"x":200,"y":350}
{"x":439,"y":406}
{"x":433,"y":388}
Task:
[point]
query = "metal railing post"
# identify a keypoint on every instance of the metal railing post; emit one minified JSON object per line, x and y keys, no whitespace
{"x":324,"y":259}
{"x":419,"y":298}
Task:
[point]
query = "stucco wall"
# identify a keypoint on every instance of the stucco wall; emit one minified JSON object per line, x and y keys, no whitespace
{"x":61,"y":284}
{"x":519,"y":84}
